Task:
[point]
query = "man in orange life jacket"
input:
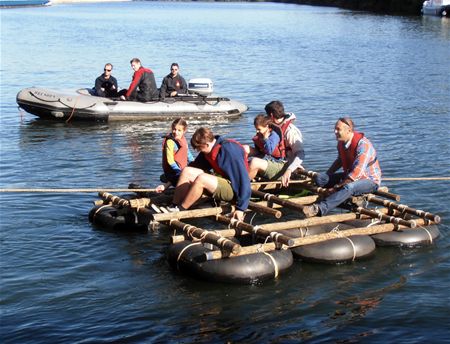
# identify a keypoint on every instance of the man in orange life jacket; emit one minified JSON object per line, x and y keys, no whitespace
{"x":358,"y":159}
{"x":291,"y":145}
{"x":228,"y":159}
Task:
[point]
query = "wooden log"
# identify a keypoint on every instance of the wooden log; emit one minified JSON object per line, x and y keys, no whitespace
{"x":276,"y":237}
{"x":193,"y":213}
{"x":207,"y":236}
{"x":391,"y":219}
{"x":313,"y":239}
{"x":227,"y":233}
{"x":272,"y":198}
{"x":386,"y":194}
{"x":305,"y":200}
{"x":264,"y":209}
{"x":116,"y":200}
{"x":404,"y":208}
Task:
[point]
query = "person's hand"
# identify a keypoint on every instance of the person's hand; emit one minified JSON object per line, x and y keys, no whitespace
{"x":123,"y":98}
{"x":173,"y":93}
{"x":160,"y":188}
{"x":113,"y":87}
{"x":238,"y":215}
{"x":246,"y":148}
{"x":286,"y":177}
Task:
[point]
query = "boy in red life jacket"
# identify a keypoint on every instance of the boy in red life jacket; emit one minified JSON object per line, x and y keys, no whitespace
{"x":358,"y":159}
{"x":291,"y":143}
{"x":175,"y":155}
{"x":228,"y":159}
{"x":267,"y":139}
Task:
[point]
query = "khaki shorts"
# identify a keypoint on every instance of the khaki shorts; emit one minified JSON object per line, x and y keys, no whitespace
{"x":224,"y":192}
{"x":275,"y":169}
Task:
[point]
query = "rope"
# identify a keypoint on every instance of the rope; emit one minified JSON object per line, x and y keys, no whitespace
{"x":416,"y":178}
{"x":275,"y":265}
{"x":76,"y":190}
{"x":73,"y":109}
{"x":353,"y":246}
{"x":184,"y":249}
{"x":429,"y":234}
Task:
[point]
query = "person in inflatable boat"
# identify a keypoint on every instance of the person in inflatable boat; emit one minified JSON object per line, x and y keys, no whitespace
{"x":228,"y":159}
{"x":361,"y":169}
{"x":290,"y":148}
{"x":175,"y":154}
{"x":173,"y":83}
{"x":106,"y":84}
{"x":143,"y":86}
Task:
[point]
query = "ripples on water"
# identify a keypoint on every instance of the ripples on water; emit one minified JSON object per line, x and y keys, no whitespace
{"x":64,"y":281}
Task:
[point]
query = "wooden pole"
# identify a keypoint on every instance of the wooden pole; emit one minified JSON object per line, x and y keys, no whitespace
{"x":404,"y":208}
{"x":313,"y":239}
{"x":227,"y":233}
{"x":305,"y":200}
{"x":264,"y":209}
{"x":272,"y":198}
{"x":391,"y":219}
{"x":276,"y":237}
{"x":184,"y":214}
{"x":206,"y":236}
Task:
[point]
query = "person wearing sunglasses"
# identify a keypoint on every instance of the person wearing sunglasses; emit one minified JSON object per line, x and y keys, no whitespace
{"x":106,"y":84}
{"x":173,"y":83}
{"x":143,"y":86}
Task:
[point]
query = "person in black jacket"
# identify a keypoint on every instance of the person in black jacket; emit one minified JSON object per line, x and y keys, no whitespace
{"x":106,"y":84}
{"x":173,"y":84}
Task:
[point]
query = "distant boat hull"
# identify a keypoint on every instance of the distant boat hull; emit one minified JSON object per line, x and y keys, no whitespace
{"x":436,"y":8}
{"x":24,"y":3}
{"x":81,"y":106}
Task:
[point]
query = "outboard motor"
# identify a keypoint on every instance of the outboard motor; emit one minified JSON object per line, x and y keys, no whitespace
{"x":200,"y":86}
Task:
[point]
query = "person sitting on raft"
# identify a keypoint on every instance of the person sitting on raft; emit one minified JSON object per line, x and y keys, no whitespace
{"x":106,"y":84}
{"x":266,"y":140}
{"x":175,"y":155}
{"x":225,"y":157}
{"x":290,"y":148}
{"x":173,"y":83}
{"x":361,"y":169}
{"x":143,"y":86}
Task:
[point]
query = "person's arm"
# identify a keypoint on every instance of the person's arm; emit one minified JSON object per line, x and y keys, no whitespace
{"x":336,"y":165}
{"x":98,"y":87}
{"x":114,"y":82}
{"x":163,"y":88}
{"x":271,"y":142}
{"x":134,"y":84}
{"x":231,"y":160}
{"x":170,"y":155}
{"x":294,"y":140}
{"x":183,"y":89}
{"x":190,"y":156}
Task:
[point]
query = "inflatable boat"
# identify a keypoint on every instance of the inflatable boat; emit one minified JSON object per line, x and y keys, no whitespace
{"x":81,"y":105}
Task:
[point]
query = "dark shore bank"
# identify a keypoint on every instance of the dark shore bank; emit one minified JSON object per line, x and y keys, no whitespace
{"x":398,"y":7}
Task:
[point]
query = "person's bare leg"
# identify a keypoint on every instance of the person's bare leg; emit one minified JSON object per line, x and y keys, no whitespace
{"x":256,"y":166}
{"x":204,"y":182}
{"x":187,"y":177}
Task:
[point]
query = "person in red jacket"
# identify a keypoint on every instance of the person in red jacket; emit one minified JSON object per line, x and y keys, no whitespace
{"x":143,"y":86}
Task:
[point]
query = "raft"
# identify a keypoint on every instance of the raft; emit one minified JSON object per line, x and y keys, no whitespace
{"x":80,"y":105}
{"x":253,"y":251}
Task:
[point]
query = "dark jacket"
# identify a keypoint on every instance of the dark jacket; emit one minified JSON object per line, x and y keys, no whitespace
{"x":170,"y":84}
{"x":231,"y":159}
{"x":143,"y":87}
{"x":109,"y":86}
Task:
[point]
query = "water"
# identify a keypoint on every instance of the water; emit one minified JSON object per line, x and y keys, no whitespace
{"x":64,"y":281}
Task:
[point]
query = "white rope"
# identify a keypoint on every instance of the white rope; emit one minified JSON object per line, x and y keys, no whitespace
{"x":103,"y":206}
{"x":184,"y":249}
{"x":429,"y":234}
{"x":354,"y":248}
{"x":275,"y":265}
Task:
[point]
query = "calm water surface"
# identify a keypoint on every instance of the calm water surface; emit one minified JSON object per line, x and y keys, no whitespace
{"x":63,"y":281}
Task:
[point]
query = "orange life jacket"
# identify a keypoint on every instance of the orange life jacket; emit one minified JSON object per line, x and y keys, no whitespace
{"x":180,"y":156}
{"x":348,"y":156}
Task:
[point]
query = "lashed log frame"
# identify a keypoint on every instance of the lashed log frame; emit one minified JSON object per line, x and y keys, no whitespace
{"x":313,"y":239}
{"x":207,"y":236}
{"x":185,"y":214}
{"x":264,"y":209}
{"x":272,"y":198}
{"x":257,"y":230}
{"x":390,"y":219}
{"x":403,"y":208}
{"x":311,"y":174}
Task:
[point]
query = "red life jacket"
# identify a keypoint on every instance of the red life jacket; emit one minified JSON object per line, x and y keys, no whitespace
{"x":348,"y":156}
{"x":279,"y":151}
{"x":212,"y":157}
{"x":180,"y":156}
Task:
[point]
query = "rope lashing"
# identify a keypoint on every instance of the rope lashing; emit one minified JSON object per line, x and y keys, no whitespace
{"x":184,"y":249}
{"x":429,"y":234}
{"x":353,"y":246}
{"x":274,"y":262}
